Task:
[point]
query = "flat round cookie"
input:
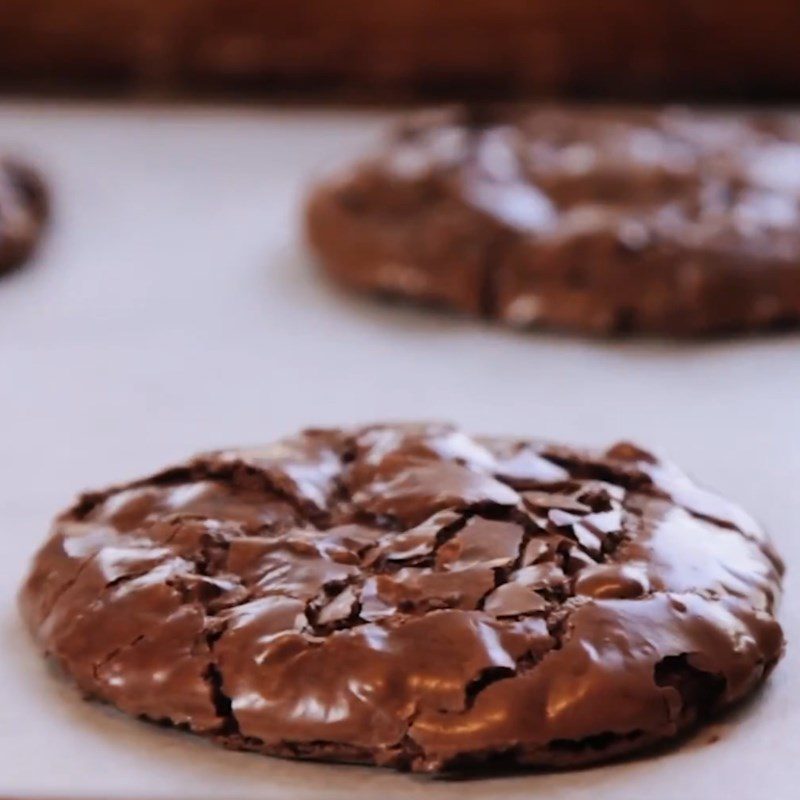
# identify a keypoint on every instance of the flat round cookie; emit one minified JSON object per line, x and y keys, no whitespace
{"x":23,"y":211}
{"x":601,"y":221}
{"x":413,"y":597}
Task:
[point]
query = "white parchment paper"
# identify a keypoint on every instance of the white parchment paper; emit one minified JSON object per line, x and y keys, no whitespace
{"x":172,"y":309}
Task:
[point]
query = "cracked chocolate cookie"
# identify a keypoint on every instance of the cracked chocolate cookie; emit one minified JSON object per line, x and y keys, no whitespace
{"x":410,"y":596}
{"x":23,"y":210}
{"x":601,"y":221}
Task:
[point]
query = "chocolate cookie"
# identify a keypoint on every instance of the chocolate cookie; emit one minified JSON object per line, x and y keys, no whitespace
{"x":23,"y":210}
{"x":602,"y":221}
{"x":413,"y":597}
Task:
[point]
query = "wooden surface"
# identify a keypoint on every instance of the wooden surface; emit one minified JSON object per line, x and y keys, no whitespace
{"x":393,"y":49}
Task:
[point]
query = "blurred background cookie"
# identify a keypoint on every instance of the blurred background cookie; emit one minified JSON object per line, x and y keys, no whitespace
{"x":23,"y":210}
{"x":600,"y":220}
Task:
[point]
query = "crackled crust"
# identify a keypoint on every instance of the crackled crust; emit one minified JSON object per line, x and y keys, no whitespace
{"x":414,"y":597}
{"x":595,"y":220}
{"x":23,"y":210}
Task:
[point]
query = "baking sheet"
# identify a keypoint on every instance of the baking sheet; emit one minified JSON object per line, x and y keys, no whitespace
{"x":172,"y":309}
